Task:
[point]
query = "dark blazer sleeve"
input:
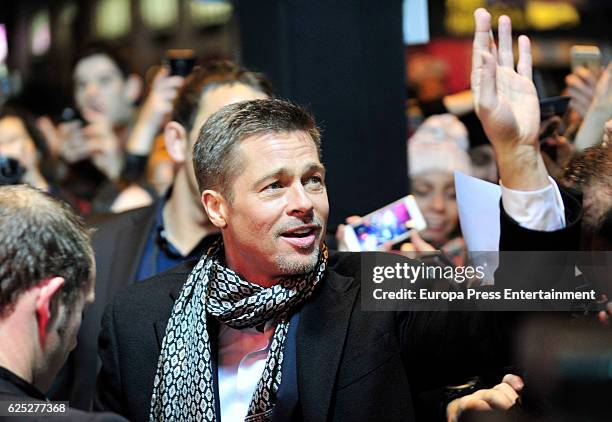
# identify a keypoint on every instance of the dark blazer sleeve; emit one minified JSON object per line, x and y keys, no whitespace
{"x":109,"y":392}
{"x":513,"y":237}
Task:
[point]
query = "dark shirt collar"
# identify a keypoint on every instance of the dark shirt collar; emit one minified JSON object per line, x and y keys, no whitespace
{"x":21,"y":384}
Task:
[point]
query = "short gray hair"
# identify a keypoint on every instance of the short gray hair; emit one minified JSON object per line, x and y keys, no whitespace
{"x":215,"y":158}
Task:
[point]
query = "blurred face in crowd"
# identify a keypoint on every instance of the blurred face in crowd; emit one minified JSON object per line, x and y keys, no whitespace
{"x":16,"y":143}
{"x":434,"y":192}
{"x":213,"y":100}
{"x":62,"y":337}
{"x":276,"y":220}
{"x":101,"y":89}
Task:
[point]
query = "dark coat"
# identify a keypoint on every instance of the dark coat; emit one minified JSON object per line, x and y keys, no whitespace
{"x":118,"y":241}
{"x":15,"y":391}
{"x":351,"y":365}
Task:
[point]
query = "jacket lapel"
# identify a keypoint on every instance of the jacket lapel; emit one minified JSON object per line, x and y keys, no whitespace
{"x":174,"y":293}
{"x":129,"y":246}
{"x":320,"y":342}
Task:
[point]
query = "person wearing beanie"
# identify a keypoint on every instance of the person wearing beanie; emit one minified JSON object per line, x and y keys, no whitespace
{"x":435,"y":151}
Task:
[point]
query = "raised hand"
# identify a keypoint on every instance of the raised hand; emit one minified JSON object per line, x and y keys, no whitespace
{"x":506,"y":103}
{"x":155,"y":110}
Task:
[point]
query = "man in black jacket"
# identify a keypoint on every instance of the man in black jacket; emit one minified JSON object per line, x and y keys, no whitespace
{"x":267,"y":324}
{"x":141,"y":243}
{"x":47,"y":274}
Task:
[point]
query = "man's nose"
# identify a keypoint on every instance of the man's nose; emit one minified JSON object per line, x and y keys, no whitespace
{"x":298,"y":201}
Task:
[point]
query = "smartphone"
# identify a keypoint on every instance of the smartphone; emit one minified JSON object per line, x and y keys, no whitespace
{"x":180,"y":61}
{"x":391,"y":223}
{"x":588,"y":56}
{"x":553,"y":106}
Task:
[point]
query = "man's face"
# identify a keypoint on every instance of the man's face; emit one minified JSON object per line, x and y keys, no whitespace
{"x":16,"y":143}
{"x":100,"y":88}
{"x":213,"y":100}
{"x":276,"y":221}
{"x":62,"y":338}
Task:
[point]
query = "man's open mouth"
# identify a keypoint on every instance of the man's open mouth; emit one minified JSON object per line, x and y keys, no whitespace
{"x":303,"y":236}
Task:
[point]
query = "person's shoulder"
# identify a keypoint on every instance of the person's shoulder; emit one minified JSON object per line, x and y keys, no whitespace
{"x":69,"y":414}
{"x":350,"y":264}
{"x":156,"y":292}
{"x":344,"y":263}
{"x":102,"y":221}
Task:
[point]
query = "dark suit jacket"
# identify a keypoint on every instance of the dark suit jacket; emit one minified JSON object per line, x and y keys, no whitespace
{"x":118,"y":242}
{"x":12,"y":392}
{"x":350,"y":365}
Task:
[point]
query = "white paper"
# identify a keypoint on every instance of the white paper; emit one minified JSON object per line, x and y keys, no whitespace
{"x":478,"y":203}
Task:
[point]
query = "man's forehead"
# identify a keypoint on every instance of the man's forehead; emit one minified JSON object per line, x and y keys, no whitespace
{"x":275,"y":149}
{"x":279,"y":143}
{"x":98,"y":62}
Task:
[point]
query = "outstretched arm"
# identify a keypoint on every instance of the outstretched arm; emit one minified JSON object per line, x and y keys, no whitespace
{"x":507,"y":104}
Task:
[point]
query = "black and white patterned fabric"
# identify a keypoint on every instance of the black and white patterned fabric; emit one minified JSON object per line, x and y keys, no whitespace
{"x":183,"y":388}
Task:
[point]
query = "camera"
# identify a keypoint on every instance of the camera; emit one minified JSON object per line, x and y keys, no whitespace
{"x":11,"y":171}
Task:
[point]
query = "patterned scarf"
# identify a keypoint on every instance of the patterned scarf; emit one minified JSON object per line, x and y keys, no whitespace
{"x":183,"y":388}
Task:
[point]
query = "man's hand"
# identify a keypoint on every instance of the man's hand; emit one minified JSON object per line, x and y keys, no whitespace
{"x":154,"y":112}
{"x":507,"y":104}
{"x":502,"y":396}
{"x":581,"y":88}
{"x":599,"y":111}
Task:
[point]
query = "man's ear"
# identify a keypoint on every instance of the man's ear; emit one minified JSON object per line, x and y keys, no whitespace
{"x":216,"y":207}
{"x":175,"y":138}
{"x":133,"y":88}
{"x":47,"y":290}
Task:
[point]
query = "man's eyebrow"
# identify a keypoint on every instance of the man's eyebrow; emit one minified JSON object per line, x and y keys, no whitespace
{"x":312,"y":167}
{"x":272,"y":175}
{"x":282,"y":171}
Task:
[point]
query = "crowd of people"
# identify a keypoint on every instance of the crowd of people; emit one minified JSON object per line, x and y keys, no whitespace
{"x":164,"y":256}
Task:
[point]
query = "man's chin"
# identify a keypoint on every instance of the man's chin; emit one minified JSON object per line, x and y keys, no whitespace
{"x":299,"y":263}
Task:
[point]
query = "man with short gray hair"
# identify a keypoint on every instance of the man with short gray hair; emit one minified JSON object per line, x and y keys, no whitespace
{"x":268,"y":324}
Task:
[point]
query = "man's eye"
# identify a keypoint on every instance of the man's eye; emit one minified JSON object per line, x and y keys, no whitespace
{"x":274,"y":186}
{"x":316,"y":180}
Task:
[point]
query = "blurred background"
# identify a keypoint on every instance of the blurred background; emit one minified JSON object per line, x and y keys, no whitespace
{"x":355,"y":63}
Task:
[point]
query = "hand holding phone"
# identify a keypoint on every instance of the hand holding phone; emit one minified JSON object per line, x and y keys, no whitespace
{"x":391,"y":223}
{"x":588,"y":56}
{"x":180,"y":61}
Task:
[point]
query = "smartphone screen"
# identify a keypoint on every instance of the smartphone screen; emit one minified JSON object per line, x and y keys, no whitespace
{"x":391,"y":223}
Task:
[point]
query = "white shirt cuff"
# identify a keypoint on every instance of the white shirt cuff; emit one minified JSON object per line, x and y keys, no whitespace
{"x":541,"y":209}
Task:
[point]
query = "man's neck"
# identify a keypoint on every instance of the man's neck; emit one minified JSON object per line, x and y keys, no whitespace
{"x":14,"y":355}
{"x":185,"y":222}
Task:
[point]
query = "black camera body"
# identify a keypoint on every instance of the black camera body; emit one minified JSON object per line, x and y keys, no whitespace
{"x":11,"y":171}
